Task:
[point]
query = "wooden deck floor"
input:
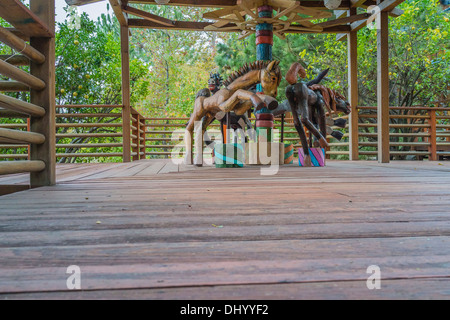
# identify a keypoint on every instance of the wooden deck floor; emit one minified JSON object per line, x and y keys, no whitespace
{"x":153,"y":230}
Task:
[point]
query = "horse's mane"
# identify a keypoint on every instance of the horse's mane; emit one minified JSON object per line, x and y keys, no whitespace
{"x":257,"y":65}
{"x":329,"y":96}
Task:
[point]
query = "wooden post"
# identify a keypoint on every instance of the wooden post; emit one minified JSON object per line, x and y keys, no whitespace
{"x":142,"y":135}
{"x":383,"y":87}
{"x":135,"y":133}
{"x":46,"y":125}
{"x":126,"y":111}
{"x":433,"y":136}
{"x":353,"y":93}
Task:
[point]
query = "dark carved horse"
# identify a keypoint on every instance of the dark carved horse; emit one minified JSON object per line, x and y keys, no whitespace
{"x":308,"y":107}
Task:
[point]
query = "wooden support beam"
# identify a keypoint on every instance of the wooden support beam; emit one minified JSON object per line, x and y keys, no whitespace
{"x":12,"y":86}
{"x":15,"y":60}
{"x":345,"y":20}
{"x":383,"y":87}
{"x":353,"y":92}
{"x":120,"y":15}
{"x":13,"y":167}
{"x":9,"y":136}
{"x":148,"y":16}
{"x":126,"y":110}
{"x":178,"y":25}
{"x":192,"y":3}
{"x":17,"y":74}
{"x":81,"y":2}
{"x":24,"y":19}
{"x":21,"y":106}
{"x":21,"y":46}
{"x":46,"y":152}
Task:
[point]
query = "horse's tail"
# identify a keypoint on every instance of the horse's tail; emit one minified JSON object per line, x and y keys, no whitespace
{"x":319,"y":78}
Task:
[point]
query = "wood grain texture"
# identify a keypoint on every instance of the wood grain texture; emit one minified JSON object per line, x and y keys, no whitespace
{"x":157,"y":230}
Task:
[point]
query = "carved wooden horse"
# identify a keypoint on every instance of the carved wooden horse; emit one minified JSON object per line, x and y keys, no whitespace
{"x":235,"y":97}
{"x":307,"y":107}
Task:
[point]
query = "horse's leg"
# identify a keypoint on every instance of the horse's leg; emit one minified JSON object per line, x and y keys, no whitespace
{"x":294,"y":95}
{"x":241,"y":95}
{"x":196,"y":116}
{"x":321,"y":119}
{"x":206,"y":121}
{"x":312,"y":129}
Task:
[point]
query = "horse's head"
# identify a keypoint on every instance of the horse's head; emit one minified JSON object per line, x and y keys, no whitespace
{"x":214,"y":82}
{"x":271,"y":78}
{"x":342,"y":105}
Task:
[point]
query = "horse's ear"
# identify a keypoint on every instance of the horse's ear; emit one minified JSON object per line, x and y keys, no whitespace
{"x":271,"y":65}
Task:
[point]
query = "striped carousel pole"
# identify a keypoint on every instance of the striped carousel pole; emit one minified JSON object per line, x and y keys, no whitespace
{"x":264,"y":44}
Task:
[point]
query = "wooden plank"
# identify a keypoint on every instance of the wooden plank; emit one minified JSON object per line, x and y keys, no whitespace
{"x":8,"y":189}
{"x":45,"y":9}
{"x":223,"y":273}
{"x":383,"y":87}
{"x":416,"y":289}
{"x":151,"y":169}
{"x":25,"y":20}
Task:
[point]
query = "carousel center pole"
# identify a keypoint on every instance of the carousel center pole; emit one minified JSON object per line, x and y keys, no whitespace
{"x":264,"y":44}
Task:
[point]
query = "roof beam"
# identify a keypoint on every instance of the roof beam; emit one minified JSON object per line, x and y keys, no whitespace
{"x":343,"y":21}
{"x":177,"y":25}
{"x":192,"y":3}
{"x":80,"y":2}
{"x":148,"y":16}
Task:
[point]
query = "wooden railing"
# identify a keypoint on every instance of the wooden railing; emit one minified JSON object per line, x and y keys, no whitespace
{"x":160,"y":143}
{"x":95,"y":133}
{"x":417,"y":132}
{"x":32,"y":37}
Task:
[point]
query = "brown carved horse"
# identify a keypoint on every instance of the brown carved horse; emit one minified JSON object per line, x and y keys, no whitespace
{"x":234,"y":97}
{"x":306,"y":102}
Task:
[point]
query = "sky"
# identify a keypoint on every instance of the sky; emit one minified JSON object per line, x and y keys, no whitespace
{"x":94,"y":10}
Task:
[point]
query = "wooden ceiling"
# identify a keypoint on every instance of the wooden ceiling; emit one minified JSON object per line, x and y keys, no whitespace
{"x":344,"y":19}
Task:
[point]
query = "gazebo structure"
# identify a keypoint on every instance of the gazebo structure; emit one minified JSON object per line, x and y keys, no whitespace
{"x":266,"y":18}
{"x":291,"y":17}
{"x":152,"y":229}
